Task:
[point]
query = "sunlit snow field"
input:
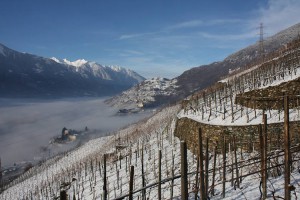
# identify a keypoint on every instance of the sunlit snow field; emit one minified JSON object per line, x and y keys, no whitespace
{"x":27,"y":125}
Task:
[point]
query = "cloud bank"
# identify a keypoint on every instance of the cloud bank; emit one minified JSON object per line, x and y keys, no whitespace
{"x":27,"y":126}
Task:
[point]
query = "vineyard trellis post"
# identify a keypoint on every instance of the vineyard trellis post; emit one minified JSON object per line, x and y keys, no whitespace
{"x":262,"y":161}
{"x":197,"y":181}
{"x":104,"y":178}
{"x":200,"y":144}
{"x":143,"y":174}
{"x":131,"y":182}
{"x":265,"y":155}
{"x":159,"y":174}
{"x":172,"y":181}
{"x":63,"y":195}
{"x":214,"y":171}
{"x":287,"y":156}
{"x":184,"y":182}
{"x":206,"y":167}
{"x":224,"y":167}
{"x":236,"y":162}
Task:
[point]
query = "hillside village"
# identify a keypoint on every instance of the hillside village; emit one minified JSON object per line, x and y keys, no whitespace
{"x":234,"y":132}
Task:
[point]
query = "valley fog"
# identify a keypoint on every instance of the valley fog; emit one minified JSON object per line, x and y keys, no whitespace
{"x":27,"y":126}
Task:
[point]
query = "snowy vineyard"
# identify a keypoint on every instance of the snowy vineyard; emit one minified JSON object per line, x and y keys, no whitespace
{"x":230,"y":101}
{"x":232,"y":167}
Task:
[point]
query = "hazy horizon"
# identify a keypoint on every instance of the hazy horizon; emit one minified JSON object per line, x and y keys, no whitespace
{"x":27,"y":125}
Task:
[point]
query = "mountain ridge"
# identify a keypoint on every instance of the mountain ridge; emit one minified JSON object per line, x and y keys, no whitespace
{"x":23,"y":74}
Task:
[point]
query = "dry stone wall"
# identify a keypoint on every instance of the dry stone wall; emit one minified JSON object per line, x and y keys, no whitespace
{"x":248,"y":137}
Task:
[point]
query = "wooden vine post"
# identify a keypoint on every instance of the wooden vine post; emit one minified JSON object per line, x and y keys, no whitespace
{"x":63,"y":195}
{"x":201,"y":158}
{"x":206,"y":167}
{"x":197,"y":181}
{"x":224,"y":167}
{"x":159,"y":175}
{"x":262,"y":158}
{"x":265,"y":154}
{"x":214,"y":171}
{"x":104,"y":178}
{"x":184,"y":181}
{"x":287,"y":154}
{"x":236,"y":162}
{"x":172,"y":181}
{"x":231,"y":105}
{"x":131,"y":182}
{"x":143,"y":174}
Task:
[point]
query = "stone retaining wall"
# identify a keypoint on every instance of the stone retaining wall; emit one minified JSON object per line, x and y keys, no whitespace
{"x":187,"y":130}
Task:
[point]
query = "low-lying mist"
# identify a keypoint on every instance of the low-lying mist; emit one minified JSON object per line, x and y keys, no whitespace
{"x":27,"y":126}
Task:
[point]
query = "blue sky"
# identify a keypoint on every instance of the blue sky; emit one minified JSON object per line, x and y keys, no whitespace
{"x":153,"y":37}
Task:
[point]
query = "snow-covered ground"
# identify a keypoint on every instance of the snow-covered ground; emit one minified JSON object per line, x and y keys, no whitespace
{"x":219,"y":107}
{"x":145,"y":93}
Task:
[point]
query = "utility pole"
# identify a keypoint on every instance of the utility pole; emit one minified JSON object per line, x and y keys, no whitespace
{"x":261,"y":42}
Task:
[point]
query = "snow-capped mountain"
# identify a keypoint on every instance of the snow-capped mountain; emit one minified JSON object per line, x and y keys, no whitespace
{"x":76,"y":63}
{"x":114,"y":73}
{"x":23,"y":74}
